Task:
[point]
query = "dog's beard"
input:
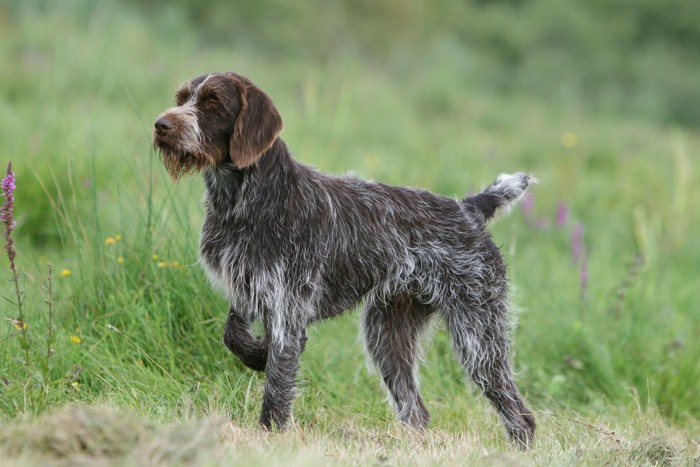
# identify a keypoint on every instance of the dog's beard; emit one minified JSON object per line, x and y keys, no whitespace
{"x":181,"y":163}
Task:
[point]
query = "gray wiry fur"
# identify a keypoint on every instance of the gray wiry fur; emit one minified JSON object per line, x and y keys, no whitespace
{"x":289,"y":245}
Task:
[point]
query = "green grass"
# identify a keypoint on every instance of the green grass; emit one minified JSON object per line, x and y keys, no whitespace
{"x":612,"y":371}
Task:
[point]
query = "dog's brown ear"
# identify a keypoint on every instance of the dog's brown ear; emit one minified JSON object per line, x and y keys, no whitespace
{"x":257,"y":125}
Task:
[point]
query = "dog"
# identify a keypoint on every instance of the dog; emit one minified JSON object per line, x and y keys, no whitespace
{"x":288,"y":245}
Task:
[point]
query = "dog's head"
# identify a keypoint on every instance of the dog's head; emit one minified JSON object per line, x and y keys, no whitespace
{"x":219,"y":117}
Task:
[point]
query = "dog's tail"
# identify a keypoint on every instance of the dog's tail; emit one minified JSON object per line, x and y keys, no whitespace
{"x":502,"y":195}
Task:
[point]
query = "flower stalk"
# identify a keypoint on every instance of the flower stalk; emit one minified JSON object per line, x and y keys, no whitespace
{"x":7,"y":217}
{"x":49,"y":303}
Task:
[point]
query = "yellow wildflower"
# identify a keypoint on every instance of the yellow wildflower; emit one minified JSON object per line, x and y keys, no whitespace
{"x":75,"y":339}
{"x":117,"y":237}
{"x":371,"y":161}
{"x":110,"y":241}
{"x":569,"y":140}
{"x":155,"y":257}
{"x":18,"y":324}
{"x":65,"y":273}
{"x":120,"y":259}
{"x":163,"y":264}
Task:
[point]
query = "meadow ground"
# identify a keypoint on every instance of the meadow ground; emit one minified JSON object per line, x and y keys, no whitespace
{"x":124,"y":364}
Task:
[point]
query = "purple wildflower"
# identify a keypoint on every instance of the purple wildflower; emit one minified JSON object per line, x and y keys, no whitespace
{"x":528,"y":207}
{"x":579,"y":256}
{"x":583,"y":278}
{"x":7,"y":213}
{"x":7,"y":218}
{"x":577,"y":246}
{"x":8,"y":187}
{"x":562,"y":214}
{"x":528,"y":204}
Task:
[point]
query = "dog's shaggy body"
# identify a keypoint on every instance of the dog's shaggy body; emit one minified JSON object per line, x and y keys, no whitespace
{"x":289,"y":245}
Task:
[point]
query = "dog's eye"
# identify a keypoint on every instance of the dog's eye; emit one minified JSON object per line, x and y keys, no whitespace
{"x":210,"y":102}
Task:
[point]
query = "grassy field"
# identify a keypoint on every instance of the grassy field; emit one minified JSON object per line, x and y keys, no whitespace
{"x":125,"y":365}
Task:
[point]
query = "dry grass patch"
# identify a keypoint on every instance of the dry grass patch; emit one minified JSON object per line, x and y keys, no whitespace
{"x":88,"y":435}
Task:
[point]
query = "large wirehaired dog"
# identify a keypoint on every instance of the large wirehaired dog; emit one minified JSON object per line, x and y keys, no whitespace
{"x":289,"y":245}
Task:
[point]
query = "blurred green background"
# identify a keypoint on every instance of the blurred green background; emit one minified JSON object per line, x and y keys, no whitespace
{"x":599,"y":99}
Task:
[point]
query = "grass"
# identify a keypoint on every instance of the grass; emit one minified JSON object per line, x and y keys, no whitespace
{"x":611,"y":363}
{"x":88,"y":434}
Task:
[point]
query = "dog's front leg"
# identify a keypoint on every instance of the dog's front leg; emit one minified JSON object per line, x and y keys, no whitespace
{"x":280,"y":376}
{"x":239,"y":339}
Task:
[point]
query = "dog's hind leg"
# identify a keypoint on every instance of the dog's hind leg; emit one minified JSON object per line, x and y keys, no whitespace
{"x":238,"y":337}
{"x":391,"y":332}
{"x":479,"y":331}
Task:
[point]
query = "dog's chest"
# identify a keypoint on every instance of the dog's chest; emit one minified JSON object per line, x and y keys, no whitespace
{"x":220,"y":248}
{"x":211,"y":252}
{"x":234,"y":255}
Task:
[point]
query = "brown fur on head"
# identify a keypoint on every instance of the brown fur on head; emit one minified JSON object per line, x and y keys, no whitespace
{"x":219,"y":117}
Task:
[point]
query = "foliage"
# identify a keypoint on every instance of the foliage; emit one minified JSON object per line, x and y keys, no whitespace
{"x":631,"y":57}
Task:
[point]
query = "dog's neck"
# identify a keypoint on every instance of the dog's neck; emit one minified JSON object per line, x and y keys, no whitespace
{"x":224,"y":182}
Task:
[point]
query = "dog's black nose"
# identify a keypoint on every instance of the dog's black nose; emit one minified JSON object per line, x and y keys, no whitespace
{"x":163,"y":125}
